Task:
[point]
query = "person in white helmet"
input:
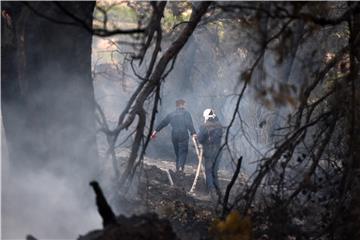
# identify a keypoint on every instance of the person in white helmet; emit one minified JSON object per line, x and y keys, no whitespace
{"x":209,"y":136}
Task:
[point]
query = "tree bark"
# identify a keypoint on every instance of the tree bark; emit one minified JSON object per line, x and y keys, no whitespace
{"x":352,"y":230}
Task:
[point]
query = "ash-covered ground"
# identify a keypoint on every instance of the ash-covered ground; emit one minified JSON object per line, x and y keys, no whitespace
{"x":154,"y":206}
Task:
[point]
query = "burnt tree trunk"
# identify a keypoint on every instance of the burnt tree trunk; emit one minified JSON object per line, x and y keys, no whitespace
{"x":47,"y":91}
{"x":352,"y":230}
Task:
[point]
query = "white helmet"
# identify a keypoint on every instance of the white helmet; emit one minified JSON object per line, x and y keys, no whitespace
{"x":208,"y":113}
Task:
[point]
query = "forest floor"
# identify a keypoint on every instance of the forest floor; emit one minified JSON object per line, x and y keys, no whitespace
{"x":189,"y":214}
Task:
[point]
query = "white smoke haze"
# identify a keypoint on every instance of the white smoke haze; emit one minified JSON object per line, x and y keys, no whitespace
{"x":56,"y":201}
{"x":204,"y":79}
{"x":53,"y":201}
{"x":46,"y":206}
{"x":49,"y":196}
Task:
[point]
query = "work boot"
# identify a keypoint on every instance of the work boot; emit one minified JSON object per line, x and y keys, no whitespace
{"x":213,"y":194}
{"x":180,"y":172}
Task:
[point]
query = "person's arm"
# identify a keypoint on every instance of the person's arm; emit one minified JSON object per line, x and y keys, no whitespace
{"x":161,"y":125}
{"x":189,"y":124}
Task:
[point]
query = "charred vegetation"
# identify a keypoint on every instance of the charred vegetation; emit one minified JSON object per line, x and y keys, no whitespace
{"x":282,"y":77}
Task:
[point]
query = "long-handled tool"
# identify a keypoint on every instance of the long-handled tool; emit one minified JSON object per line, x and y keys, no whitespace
{"x":199,"y":153}
{"x":169,"y":177}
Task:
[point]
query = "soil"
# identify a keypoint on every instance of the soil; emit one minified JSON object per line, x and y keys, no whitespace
{"x":160,"y":210}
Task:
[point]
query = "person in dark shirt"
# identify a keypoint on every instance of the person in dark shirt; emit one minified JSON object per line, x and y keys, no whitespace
{"x":209,"y":137}
{"x":181,"y":123}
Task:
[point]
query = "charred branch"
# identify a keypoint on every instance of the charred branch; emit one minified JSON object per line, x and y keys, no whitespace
{"x":104,"y":208}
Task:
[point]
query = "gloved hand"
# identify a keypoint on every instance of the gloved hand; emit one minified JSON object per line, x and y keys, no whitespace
{"x":153,"y":135}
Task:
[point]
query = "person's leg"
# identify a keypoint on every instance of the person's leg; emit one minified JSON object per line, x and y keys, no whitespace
{"x":217,"y":159}
{"x":176,"y":149}
{"x":208,"y":168}
{"x":183,"y":152}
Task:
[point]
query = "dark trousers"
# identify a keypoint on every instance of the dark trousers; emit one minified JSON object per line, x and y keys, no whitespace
{"x":211,"y":165}
{"x":181,"y":151}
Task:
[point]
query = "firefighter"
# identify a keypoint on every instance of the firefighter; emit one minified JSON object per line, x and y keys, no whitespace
{"x":181,"y":123}
{"x":209,"y":137}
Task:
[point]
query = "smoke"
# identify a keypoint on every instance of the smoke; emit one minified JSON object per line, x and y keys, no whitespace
{"x":51,"y":200}
{"x":206,"y":75}
{"x":52,"y":155}
{"x":46,"y":206}
{"x":44,"y":203}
